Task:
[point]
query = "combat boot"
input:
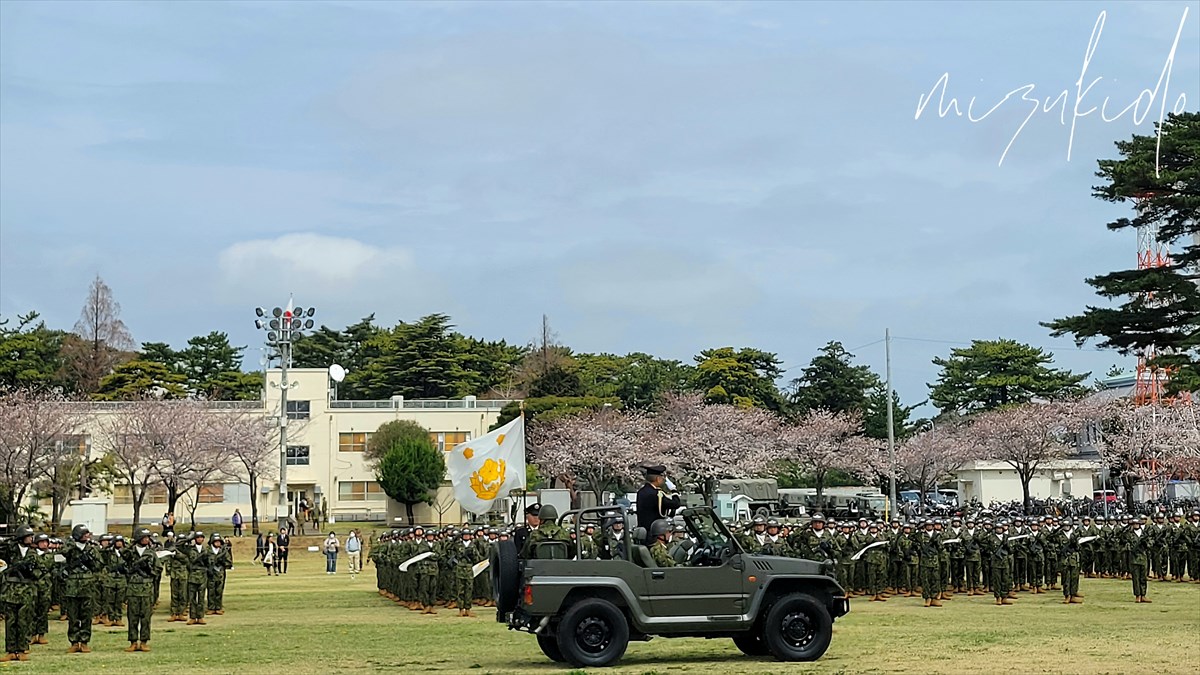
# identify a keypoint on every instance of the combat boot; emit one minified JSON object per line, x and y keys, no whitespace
{"x":1005,"y":601}
{"x":133,"y":647}
{"x":74,"y":648}
{"x":468,"y":613}
{"x":117,"y":623}
{"x":201,"y":622}
{"x":40,"y":640}
{"x":8,"y":657}
{"x":883,"y":598}
{"x":191,"y":622}
{"x":144,"y":647}
{"x":1145,"y":599}
{"x":1066,"y":600}
{"x":84,"y":648}
{"x":219,"y":612}
{"x":23,"y":656}
{"x":452,"y":605}
{"x":1076,"y":600}
{"x":927,"y":601}
{"x":935,"y":603}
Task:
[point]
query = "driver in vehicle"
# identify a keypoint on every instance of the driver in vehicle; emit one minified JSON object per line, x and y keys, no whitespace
{"x":659,"y":531}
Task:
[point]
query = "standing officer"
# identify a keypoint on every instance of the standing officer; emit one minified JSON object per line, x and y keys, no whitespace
{"x":653,"y":502}
{"x":1138,"y":545}
{"x":19,"y":594}
{"x":465,"y":556}
{"x":79,"y":588}
{"x":1070,"y":549}
{"x":141,"y":569}
{"x":531,"y":523}
{"x":115,"y":585}
{"x":929,"y":546}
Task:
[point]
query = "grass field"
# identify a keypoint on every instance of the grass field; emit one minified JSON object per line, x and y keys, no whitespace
{"x":308,"y":622}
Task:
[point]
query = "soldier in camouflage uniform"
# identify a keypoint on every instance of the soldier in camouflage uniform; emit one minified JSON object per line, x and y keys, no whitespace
{"x":1070,"y":548}
{"x":483,"y":582}
{"x":115,"y":585}
{"x":1000,"y":560}
{"x":427,"y":575}
{"x":221,"y":560}
{"x":41,"y":622}
{"x":659,"y":531}
{"x":463,"y":557}
{"x":929,"y":550}
{"x":103,"y":591}
{"x":198,"y":560}
{"x":1035,"y":557}
{"x":19,"y":594}
{"x":79,"y":593}
{"x":177,"y":569}
{"x":141,"y":570}
{"x":548,"y":530}
{"x":909,"y":557}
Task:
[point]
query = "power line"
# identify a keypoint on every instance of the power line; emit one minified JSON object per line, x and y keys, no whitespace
{"x":960,"y":342}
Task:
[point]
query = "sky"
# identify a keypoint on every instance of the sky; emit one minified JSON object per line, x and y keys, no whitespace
{"x":656,"y":177}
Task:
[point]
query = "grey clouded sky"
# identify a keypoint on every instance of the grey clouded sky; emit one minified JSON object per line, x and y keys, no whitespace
{"x":654,"y":177}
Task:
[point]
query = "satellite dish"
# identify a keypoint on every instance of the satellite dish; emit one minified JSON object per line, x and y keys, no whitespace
{"x":337,"y":373}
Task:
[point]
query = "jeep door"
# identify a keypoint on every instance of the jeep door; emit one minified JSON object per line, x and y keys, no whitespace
{"x":698,"y":592}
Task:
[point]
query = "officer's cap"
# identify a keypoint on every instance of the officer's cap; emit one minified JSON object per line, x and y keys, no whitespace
{"x":656,"y":470}
{"x":533,"y":509}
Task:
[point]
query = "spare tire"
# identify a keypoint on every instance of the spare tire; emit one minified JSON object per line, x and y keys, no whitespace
{"x":506,"y":577}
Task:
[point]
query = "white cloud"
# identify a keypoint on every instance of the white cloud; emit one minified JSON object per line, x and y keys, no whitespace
{"x":317,"y":257}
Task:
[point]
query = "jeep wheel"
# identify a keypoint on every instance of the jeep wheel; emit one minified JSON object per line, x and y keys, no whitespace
{"x":506,"y":577}
{"x":751,"y":644}
{"x":593,"y":633}
{"x":549,"y":645}
{"x":798,"y":628}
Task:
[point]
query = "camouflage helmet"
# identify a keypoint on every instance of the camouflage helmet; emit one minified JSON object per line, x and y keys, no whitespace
{"x":772,"y":523}
{"x":106,"y":537}
{"x":141,"y":534}
{"x":22,"y":532}
{"x":119,"y":539}
{"x":659,"y":528}
{"x":197,"y":535}
{"x":818,"y":518}
{"x":217,"y":537}
{"x":79,"y":532}
{"x":759,"y":520}
{"x":548,"y":512}
{"x":41,"y":537}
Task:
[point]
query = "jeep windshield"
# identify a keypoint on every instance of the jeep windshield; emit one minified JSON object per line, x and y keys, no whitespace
{"x":714,"y":543}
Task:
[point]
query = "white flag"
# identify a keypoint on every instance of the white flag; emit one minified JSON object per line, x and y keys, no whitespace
{"x":489,"y":467}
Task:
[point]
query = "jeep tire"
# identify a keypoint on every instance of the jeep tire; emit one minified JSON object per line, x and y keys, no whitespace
{"x":752,"y":643}
{"x":506,"y":577}
{"x":797,"y":628}
{"x":549,"y":645}
{"x":593,"y":633}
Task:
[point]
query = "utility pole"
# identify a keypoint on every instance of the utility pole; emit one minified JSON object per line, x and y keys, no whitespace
{"x":887,"y":349}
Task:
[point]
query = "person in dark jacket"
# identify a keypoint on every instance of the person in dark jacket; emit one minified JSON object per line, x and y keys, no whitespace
{"x":654,"y":503}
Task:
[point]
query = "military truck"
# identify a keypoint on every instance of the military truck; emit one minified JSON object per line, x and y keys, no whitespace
{"x":585,"y":612}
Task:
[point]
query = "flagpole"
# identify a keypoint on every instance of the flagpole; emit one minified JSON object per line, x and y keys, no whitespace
{"x":525,"y":492}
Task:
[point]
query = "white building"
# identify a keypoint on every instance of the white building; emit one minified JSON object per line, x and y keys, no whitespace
{"x":990,"y":481}
{"x":326,"y":440}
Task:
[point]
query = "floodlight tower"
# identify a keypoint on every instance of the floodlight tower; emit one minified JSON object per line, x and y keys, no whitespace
{"x":283,"y":326}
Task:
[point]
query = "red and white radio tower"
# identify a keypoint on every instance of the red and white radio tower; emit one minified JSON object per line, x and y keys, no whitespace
{"x":1150,"y":386}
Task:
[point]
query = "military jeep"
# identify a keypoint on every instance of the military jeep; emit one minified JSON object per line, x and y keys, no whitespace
{"x":585,"y":612}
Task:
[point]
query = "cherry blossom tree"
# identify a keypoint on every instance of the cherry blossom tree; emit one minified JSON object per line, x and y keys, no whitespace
{"x":1027,"y":436}
{"x":596,"y":447}
{"x":253,"y":443}
{"x":823,"y":441}
{"x":1147,"y":442}
{"x":1184,"y":462}
{"x":33,"y":426}
{"x":932,"y":456}
{"x":706,"y":443}
{"x":127,"y":436}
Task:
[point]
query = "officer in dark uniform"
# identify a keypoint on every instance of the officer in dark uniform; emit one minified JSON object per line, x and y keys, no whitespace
{"x":531,"y":523}
{"x":653,"y":502}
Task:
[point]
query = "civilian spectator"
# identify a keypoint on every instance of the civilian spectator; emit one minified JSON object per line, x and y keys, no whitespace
{"x":269,"y":555}
{"x":354,"y":552}
{"x":331,"y":551}
{"x":237,"y":522}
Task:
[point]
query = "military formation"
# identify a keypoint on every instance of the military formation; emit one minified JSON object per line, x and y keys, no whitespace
{"x":439,"y":567}
{"x":106,"y":581}
{"x":994,"y":554}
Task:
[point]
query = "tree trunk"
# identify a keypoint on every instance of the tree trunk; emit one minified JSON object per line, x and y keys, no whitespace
{"x":819,"y":479}
{"x":408,"y":507}
{"x":172,"y":497}
{"x":1026,"y":476}
{"x":253,"y":502}
{"x":137,"y":509}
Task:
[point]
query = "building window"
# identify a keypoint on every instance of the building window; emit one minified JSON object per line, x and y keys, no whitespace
{"x":297,"y":410}
{"x":353,"y":441}
{"x":155,"y":494}
{"x":360,"y":491}
{"x":74,"y":443}
{"x":446,"y":440}
{"x":297,"y":455}
{"x":212,"y":493}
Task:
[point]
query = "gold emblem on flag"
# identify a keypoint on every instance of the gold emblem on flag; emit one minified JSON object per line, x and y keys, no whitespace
{"x":487,"y":481}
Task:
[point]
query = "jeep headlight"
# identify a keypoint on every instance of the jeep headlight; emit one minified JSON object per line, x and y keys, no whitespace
{"x":829,"y":568}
